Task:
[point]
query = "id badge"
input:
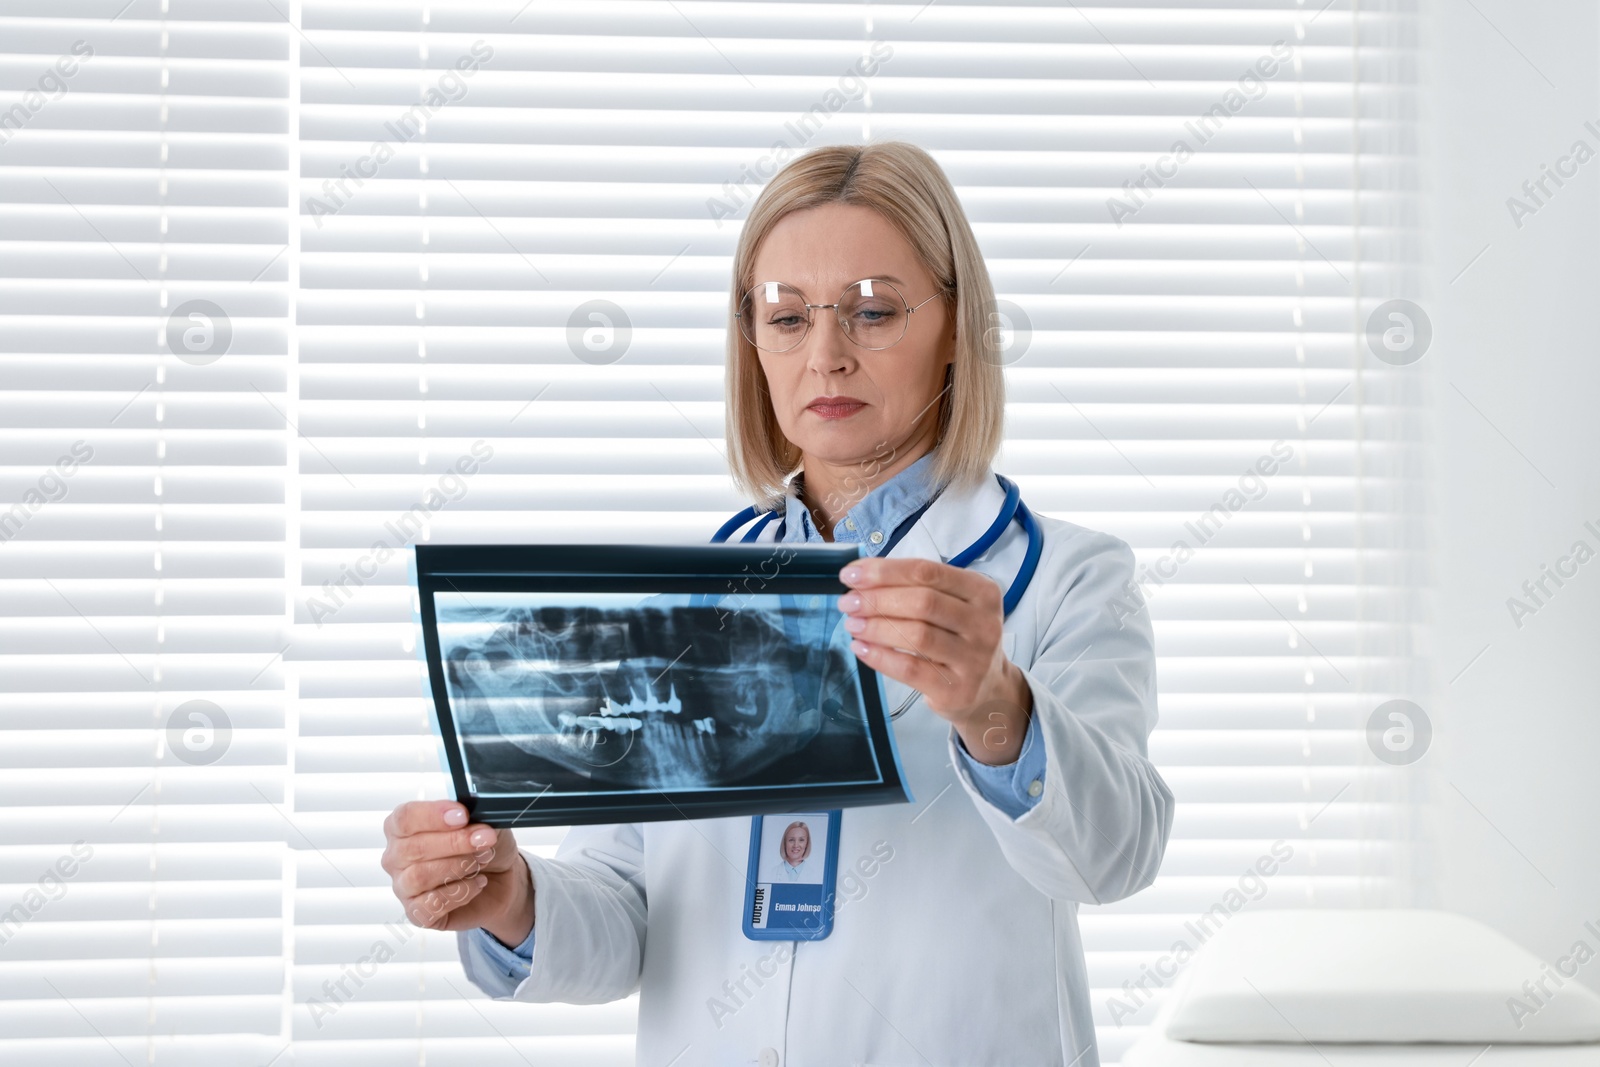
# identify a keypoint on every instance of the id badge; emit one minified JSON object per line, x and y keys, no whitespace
{"x":794,"y":863}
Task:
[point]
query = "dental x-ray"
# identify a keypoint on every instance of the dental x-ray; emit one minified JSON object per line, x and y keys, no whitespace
{"x":607,"y":683}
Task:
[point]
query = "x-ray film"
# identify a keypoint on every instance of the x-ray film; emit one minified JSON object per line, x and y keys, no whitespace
{"x":622,"y":683}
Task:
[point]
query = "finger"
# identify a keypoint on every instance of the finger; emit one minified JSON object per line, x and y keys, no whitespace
{"x":920,"y":674}
{"x":930,"y":642}
{"x":431,"y":910}
{"x":503,"y":854}
{"x":418,"y":848}
{"x":914,"y":602}
{"x":424,"y":817}
{"x":876,"y":571}
{"x":404,"y":851}
{"x":424,"y":877}
{"x":434,"y":907}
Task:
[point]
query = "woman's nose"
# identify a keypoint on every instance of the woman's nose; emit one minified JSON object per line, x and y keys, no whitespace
{"x":826,"y":346}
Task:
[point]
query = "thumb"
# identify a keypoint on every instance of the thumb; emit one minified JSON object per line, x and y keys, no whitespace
{"x":505,"y":853}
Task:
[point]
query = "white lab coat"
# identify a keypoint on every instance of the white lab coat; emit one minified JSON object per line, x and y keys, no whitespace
{"x":957,"y":940}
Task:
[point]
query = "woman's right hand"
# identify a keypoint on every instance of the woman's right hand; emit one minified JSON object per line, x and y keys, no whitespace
{"x":453,"y":876}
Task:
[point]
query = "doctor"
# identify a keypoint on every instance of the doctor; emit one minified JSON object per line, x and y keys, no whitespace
{"x":956,"y":935}
{"x":794,"y":850}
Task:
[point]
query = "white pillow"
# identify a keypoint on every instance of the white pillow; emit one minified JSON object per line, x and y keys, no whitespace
{"x":1392,"y":976}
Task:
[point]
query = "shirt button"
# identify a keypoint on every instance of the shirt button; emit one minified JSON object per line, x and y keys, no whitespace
{"x":876,"y":537}
{"x":769,"y":1057}
{"x":1035,"y":787}
{"x":849,"y":524}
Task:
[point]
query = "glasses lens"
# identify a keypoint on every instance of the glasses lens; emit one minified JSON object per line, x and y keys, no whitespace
{"x":772,"y":317}
{"x":873,"y":313}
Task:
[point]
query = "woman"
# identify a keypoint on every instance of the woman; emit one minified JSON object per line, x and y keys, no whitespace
{"x":794,"y":848}
{"x":1026,"y":753}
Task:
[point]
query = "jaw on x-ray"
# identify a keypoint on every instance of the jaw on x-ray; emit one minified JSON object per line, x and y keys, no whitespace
{"x":658,"y":695}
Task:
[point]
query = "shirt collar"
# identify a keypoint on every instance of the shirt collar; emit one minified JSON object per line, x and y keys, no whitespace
{"x":874,"y":518}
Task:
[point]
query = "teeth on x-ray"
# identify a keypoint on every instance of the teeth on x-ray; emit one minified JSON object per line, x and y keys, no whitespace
{"x":645,"y":697}
{"x":600,"y":722}
{"x":619,"y":717}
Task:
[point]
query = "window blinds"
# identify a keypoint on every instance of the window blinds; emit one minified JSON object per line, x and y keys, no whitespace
{"x":472,"y":183}
{"x":143,"y":340}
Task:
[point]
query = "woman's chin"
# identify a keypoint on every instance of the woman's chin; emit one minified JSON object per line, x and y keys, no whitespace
{"x":841,"y":447}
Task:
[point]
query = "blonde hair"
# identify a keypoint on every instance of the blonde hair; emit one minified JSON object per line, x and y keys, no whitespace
{"x":902,"y":183}
{"x":783,"y":853}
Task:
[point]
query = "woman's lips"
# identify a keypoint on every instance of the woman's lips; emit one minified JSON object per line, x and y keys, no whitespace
{"x":836,"y":411}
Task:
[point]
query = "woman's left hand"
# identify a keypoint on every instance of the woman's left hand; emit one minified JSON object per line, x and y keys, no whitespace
{"x":949,"y":621}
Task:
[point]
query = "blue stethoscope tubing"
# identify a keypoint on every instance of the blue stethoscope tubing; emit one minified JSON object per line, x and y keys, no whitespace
{"x":1012,"y":509}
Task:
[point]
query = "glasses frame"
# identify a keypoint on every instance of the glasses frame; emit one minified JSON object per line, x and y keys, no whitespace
{"x":811,"y":318}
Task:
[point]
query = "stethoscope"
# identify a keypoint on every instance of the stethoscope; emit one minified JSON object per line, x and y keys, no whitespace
{"x":1013,"y":508}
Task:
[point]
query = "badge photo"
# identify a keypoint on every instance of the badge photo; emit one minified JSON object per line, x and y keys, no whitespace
{"x":789,"y":888}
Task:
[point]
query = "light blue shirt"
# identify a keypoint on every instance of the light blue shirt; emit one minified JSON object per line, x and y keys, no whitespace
{"x":498,"y":970}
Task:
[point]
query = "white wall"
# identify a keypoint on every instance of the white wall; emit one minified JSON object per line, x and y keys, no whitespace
{"x":1518,"y":334}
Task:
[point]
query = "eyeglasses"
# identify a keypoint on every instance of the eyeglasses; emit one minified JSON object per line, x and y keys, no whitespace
{"x":873,"y":314}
